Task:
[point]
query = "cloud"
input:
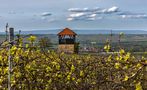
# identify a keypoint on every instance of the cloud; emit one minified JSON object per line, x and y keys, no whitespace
{"x":83,"y":16}
{"x":44,"y":14}
{"x":131,"y":15}
{"x":83,"y":9}
{"x":78,"y":10}
{"x":49,"y":20}
{"x":92,"y":14}
{"x":113,"y":9}
{"x":89,"y":14}
{"x":80,"y":16}
{"x":70,"y":19}
{"x":95,"y":10}
{"x":139,"y":16}
{"x":82,"y":19}
{"x":76,"y":15}
{"x":91,"y":19}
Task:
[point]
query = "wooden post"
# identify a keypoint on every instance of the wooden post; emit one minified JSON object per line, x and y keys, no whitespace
{"x":144,"y":82}
{"x":7,"y":25}
{"x":11,"y":38}
{"x":11,"y":34}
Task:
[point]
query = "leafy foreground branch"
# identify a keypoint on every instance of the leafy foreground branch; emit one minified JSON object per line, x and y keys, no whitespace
{"x":35,"y":69}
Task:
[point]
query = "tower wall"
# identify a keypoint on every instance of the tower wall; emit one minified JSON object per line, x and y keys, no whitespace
{"x":67,"y":48}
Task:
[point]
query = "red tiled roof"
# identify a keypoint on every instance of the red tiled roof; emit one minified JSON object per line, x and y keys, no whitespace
{"x":67,"y":31}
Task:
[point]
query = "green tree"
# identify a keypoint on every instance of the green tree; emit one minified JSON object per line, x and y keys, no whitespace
{"x":45,"y":43}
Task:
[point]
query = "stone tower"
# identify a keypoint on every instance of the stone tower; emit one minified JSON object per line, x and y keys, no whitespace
{"x":67,"y":41}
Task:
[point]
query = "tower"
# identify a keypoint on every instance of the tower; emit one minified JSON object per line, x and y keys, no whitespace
{"x":67,"y":41}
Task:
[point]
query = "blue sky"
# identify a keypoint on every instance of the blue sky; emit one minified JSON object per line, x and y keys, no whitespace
{"x":76,"y":14}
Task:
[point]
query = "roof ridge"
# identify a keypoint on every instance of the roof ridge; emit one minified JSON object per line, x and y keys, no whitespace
{"x":67,"y":31}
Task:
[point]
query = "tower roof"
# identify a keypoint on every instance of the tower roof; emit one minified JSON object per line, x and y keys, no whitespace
{"x":67,"y":31}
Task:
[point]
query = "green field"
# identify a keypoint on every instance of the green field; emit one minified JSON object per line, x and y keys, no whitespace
{"x":130,"y":42}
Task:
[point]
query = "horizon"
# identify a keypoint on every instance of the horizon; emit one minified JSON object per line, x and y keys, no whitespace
{"x":96,"y":14}
{"x":77,"y":29}
{"x":81,"y":31}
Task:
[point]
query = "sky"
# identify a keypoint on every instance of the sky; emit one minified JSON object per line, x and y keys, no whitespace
{"x":75,"y":14}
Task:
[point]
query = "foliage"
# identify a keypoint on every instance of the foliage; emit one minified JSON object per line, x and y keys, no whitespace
{"x":76,"y":47}
{"x":35,"y":69}
{"x":45,"y":42}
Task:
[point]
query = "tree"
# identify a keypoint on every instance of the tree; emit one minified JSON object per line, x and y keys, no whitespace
{"x":121,"y":34}
{"x":45,"y":43}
